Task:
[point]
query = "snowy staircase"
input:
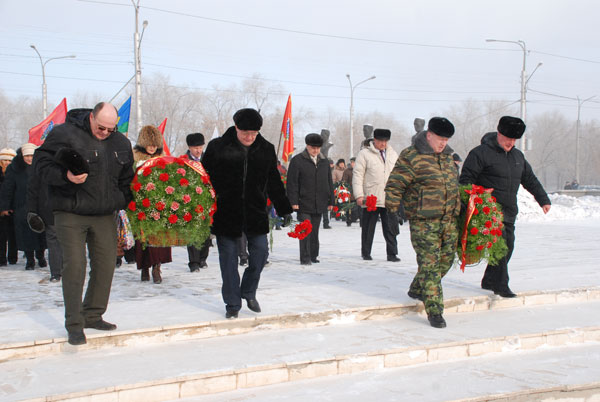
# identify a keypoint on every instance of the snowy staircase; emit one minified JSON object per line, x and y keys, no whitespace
{"x":382,"y":343}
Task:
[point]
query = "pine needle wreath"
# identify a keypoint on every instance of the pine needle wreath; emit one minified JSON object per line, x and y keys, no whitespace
{"x":480,"y":225}
{"x":173,"y":202}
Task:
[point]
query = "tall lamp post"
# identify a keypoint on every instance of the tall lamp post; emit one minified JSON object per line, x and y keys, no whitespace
{"x":44,"y":88}
{"x":352,"y":110}
{"x":137,"y":41}
{"x":579,"y":103}
{"x":523,"y":81}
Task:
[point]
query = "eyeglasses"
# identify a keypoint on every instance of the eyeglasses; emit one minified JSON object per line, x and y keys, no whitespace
{"x":102,"y":128}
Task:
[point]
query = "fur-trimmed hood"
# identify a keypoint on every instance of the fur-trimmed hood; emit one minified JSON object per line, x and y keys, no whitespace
{"x":149,"y":136}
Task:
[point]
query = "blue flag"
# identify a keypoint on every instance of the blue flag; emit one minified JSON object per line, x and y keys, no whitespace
{"x":123,"y":121}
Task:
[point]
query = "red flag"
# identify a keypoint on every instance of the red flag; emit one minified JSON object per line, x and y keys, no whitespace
{"x":38,"y":134}
{"x":161,"y":128}
{"x":287,"y":130}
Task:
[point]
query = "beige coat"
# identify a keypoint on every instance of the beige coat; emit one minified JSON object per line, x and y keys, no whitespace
{"x":371,"y":174}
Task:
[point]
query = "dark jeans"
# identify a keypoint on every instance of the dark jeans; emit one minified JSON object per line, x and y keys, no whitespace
{"x":100,"y":235}
{"x":496,"y":276}
{"x":369,"y":221}
{"x":309,"y":246}
{"x":232,"y":291}
{"x":199,"y":255}
{"x":55,"y":259}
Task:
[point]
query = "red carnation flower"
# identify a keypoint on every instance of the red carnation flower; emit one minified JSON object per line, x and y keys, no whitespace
{"x":488,"y":224}
{"x":479,"y":248}
{"x":478,"y":200}
{"x":169,"y":190}
{"x":163,"y":177}
{"x":180,"y":161}
{"x":186,"y":198}
{"x":268,"y":202}
{"x":199,"y":209}
{"x":181,"y":171}
{"x":335,"y":209}
{"x":199,"y":190}
{"x":150,"y":186}
{"x":137,"y":186}
{"x":475,"y":211}
{"x":474,"y":231}
{"x":492,"y":199}
{"x":173,"y":218}
{"x":174,"y":206}
{"x":131,"y":206}
{"x":160,"y":205}
{"x":338,"y":215}
{"x":486,"y":210}
{"x":187,"y":217}
{"x":205,"y":179}
{"x":371,"y":203}
{"x":141,"y":216}
{"x":147,"y":172}
{"x":489,"y":244}
{"x":184,"y":182}
{"x":145,"y":203}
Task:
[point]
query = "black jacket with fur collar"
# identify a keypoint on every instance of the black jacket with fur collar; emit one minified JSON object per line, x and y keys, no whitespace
{"x":243,"y":181}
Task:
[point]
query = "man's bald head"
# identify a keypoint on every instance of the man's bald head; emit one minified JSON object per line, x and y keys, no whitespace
{"x":103,"y":120}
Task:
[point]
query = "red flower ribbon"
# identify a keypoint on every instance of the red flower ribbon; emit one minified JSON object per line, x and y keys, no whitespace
{"x":473,"y":199}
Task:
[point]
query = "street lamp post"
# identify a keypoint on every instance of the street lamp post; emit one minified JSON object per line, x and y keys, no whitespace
{"x":137,"y":40}
{"x":44,"y":87}
{"x":523,"y":81}
{"x":579,"y":103}
{"x":352,"y":110}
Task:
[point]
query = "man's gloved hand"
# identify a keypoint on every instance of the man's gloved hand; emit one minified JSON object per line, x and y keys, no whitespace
{"x":287,"y":220}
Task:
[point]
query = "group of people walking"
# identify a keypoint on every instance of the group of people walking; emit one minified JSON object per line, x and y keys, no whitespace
{"x":86,"y":166}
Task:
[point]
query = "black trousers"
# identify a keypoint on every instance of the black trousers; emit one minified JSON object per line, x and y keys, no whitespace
{"x":496,"y":276}
{"x":199,"y":255}
{"x":369,"y":221}
{"x":7,"y":237}
{"x":309,"y":246}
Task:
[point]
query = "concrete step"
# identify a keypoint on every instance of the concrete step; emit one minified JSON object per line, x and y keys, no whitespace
{"x":568,"y":374}
{"x":209,"y":329}
{"x":187,"y":368}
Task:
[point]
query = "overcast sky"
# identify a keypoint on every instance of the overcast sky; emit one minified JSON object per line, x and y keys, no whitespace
{"x":426,"y":55}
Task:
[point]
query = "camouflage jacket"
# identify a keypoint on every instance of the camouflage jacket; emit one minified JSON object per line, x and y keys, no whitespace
{"x":427,"y":183}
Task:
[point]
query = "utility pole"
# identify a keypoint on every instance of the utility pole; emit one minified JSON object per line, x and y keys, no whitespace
{"x":137,"y":40}
{"x":352,"y":110}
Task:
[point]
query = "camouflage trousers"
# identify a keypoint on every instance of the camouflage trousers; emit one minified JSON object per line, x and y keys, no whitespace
{"x":434,"y":242}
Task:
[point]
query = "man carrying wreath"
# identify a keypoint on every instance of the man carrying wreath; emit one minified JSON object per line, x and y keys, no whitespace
{"x":497,"y":164}
{"x":242,"y":166}
{"x":426,"y":181}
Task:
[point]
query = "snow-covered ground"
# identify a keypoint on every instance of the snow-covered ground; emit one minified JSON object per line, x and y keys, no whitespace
{"x":555,"y":251}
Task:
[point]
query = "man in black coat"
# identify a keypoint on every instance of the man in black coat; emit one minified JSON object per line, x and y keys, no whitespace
{"x":87,"y":165}
{"x":242,"y":166}
{"x":310,"y":191}
{"x":497,"y":164}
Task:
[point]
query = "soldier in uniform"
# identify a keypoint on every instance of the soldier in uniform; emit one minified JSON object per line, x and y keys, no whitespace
{"x":426,"y":181}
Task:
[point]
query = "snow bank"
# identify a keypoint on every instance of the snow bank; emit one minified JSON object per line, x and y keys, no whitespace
{"x":564,"y":207}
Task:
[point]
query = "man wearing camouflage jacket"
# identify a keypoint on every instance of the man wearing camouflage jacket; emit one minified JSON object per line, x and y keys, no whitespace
{"x":426,"y":180}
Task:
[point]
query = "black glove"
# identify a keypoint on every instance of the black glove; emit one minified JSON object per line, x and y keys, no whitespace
{"x":287,"y":220}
